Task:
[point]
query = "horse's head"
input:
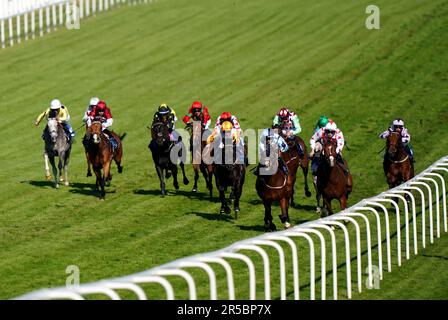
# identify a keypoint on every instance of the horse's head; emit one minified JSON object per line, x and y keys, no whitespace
{"x":159,"y":133}
{"x":52,"y":125}
{"x":329,"y":152}
{"x":95,"y":131}
{"x":393,"y":143}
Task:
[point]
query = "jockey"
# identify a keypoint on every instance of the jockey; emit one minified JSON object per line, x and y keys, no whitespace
{"x":267,"y":138}
{"x":93,"y":102}
{"x":102,"y":113}
{"x":398,"y":126}
{"x":167,"y":116}
{"x":289,"y":122}
{"x":226,"y":128}
{"x":60,"y":112}
{"x":198,"y":112}
{"x":321,"y":123}
{"x":329,"y":132}
{"x":227,"y":116}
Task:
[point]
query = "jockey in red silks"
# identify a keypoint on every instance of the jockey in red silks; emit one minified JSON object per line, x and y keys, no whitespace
{"x":102,"y":113}
{"x":198,"y":112}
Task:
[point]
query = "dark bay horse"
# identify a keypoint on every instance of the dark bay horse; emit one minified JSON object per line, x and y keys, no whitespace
{"x":205,"y":169}
{"x":279,"y":187}
{"x":229,"y":169}
{"x":160,"y":147}
{"x":397,"y":165}
{"x":304,"y":159}
{"x":56,"y":145}
{"x":332,"y":181}
{"x":100,"y":153}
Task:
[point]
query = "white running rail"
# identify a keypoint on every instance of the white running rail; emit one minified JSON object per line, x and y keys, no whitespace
{"x":430,"y":187}
{"x":26,"y":18}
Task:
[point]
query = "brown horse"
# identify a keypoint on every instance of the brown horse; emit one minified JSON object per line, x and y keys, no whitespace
{"x":205,"y":169}
{"x":101,"y":154}
{"x":397,"y":165}
{"x":332,"y":181}
{"x":279,"y":187}
{"x":304,"y":159}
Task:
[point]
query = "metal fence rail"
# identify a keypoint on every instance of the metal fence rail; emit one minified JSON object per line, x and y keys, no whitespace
{"x":430,"y":185}
{"x":23,"y":19}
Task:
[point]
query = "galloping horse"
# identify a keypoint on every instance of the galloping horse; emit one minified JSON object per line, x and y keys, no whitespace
{"x":303,"y":163}
{"x":56,"y":145}
{"x":229,"y":174}
{"x":397,"y":164}
{"x":332,"y":181}
{"x":279,"y":187}
{"x":205,"y":169}
{"x":100,"y":152}
{"x":160,"y":147}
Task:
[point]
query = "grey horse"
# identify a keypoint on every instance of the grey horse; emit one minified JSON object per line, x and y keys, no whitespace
{"x":56,"y":145}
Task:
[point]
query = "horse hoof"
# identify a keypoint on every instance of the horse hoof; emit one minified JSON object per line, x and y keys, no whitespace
{"x":61,"y":179}
{"x":287,"y":225}
{"x":120,"y":169}
{"x":318,"y":210}
{"x":89,"y":173}
{"x":186,"y":181}
{"x":270,"y":227}
{"x":236,"y":209}
{"x":107,"y":183}
{"x":176,"y":186}
{"x":48,"y":178}
{"x":101,"y":199}
{"x":195,"y":190}
{"x":228,"y":210}
{"x":66,"y":183}
{"x":56,"y":186}
{"x":307,"y":193}
{"x":167,"y":175}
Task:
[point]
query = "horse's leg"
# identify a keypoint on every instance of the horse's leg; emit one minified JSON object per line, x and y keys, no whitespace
{"x":47,"y":167}
{"x":343,"y":202}
{"x":99,"y":182}
{"x":268,"y":224}
{"x":305,"y":178}
{"x":284,"y":217}
{"x":318,"y":196}
{"x":327,"y":203}
{"x":196,"y":177}
{"x":292,"y":198}
{"x":106,"y":175}
{"x":210,"y":180}
{"x":222,"y":196}
{"x":237,"y":194}
{"x":117,"y":157}
{"x":61,"y":176}
{"x":66,"y":161}
{"x":174,"y":172}
{"x":184,"y":176}
{"x":89,"y":171}
{"x":55,"y":171}
{"x":161,"y":179}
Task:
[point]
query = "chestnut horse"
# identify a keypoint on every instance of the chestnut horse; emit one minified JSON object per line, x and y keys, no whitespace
{"x":100,"y":152}
{"x":303,"y":163}
{"x":332,"y":181}
{"x":397,"y":164}
{"x":279,"y":187}
{"x":205,"y":169}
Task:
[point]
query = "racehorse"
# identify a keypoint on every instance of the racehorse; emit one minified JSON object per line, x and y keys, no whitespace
{"x":397,"y":165}
{"x":160,"y":147}
{"x":304,"y":160}
{"x":101,"y":153}
{"x":56,"y":145}
{"x":205,"y":169}
{"x":229,"y":172}
{"x":332,"y":181}
{"x":279,"y":187}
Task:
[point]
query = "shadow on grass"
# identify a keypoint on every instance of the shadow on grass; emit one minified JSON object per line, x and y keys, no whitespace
{"x":88,"y":189}
{"x":169,"y":192}
{"x":40,"y":183}
{"x":213,"y":216}
{"x":259,"y":228}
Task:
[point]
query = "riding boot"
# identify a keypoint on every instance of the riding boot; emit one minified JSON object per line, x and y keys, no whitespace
{"x":283,"y":167}
{"x":299,"y":150}
{"x":409,"y":150}
{"x":113,"y":142}
{"x":342,"y":164}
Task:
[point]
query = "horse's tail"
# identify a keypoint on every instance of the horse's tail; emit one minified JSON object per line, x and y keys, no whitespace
{"x":123,"y":136}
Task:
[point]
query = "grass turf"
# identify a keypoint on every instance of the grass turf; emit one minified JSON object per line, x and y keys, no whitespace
{"x":247,"y":57}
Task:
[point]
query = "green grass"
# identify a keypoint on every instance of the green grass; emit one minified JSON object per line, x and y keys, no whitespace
{"x":249,"y":57}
